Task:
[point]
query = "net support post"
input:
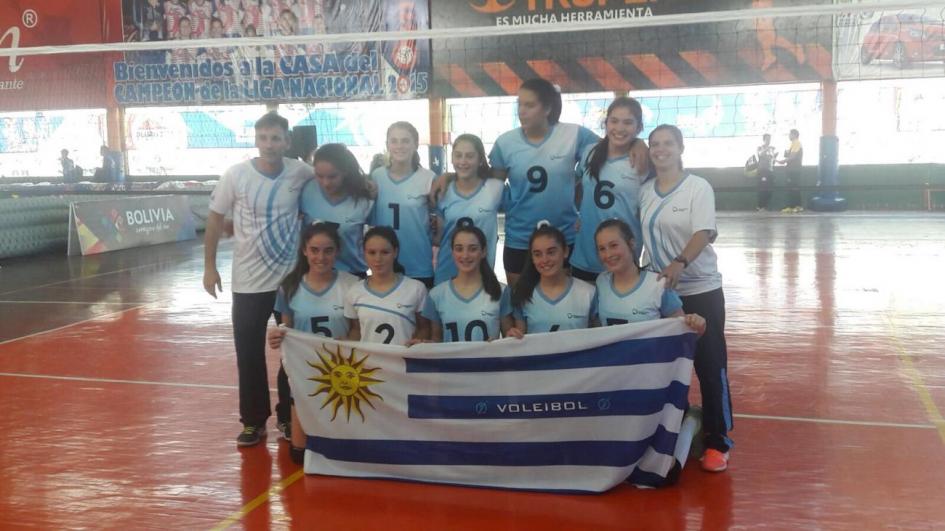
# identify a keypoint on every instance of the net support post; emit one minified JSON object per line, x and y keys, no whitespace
{"x":828,"y":170}
{"x":439,"y":135}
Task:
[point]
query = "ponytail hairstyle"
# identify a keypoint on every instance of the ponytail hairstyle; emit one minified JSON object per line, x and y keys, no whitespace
{"x":548,"y":95}
{"x":489,"y":282}
{"x":673,"y":130}
{"x":525,"y":287}
{"x":598,"y":155}
{"x":290,"y":284}
{"x":412,"y":131}
{"x":353,"y":181}
{"x":383,"y":231}
{"x":625,"y":232}
{"x":483,"y":171}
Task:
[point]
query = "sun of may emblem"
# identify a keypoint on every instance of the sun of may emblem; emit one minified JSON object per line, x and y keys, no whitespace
{"x":345,"y":381}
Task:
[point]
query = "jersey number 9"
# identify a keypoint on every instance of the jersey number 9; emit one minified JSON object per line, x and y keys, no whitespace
{"x":538,"y":176}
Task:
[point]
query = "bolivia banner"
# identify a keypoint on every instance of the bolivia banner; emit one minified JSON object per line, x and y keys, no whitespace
{"x":581,"y":410}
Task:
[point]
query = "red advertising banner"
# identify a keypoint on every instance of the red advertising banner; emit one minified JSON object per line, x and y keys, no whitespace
{"x":59,"y":81}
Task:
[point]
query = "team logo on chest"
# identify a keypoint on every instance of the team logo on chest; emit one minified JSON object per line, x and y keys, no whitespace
{"x":345,"y":381}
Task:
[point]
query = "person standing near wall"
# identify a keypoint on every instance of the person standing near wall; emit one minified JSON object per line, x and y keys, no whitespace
{"x":765,"y":155}
{"x":793,"y":159}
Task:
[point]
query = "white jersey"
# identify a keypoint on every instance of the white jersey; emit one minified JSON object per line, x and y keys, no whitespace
{"x":265,"y":222}
{"x":402,"y":205}
{"x":390,"y":317}
{"x":350,"y":215}
{"x":669,"y":220}
{"x":570,"y":311}
{"x":319,"y":312}
{"x":647,"y":300}
{"x":477,"y":318}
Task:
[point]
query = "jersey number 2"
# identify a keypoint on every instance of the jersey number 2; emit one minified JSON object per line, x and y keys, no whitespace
{"x":388,"y":329}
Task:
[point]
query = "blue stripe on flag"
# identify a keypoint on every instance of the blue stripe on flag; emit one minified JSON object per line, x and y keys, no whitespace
{"x":629,"y":352}
{"x":579,"y":453}
{"x":624,"y":402}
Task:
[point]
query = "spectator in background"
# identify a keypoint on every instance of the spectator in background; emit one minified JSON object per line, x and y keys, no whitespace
{"x":68,"y":167}
{"x":765,"y":155}
{"x":793,"y":158}
{"x":113,"y":171}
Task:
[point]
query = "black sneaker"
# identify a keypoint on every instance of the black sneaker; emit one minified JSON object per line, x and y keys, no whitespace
{"x":297,"y":455}
{"x":251,"y":435}
{"x":286,"y":429}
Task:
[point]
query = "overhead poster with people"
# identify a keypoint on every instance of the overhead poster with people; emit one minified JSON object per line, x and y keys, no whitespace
{"x":313,"y":72}
{"x":753,"y":51}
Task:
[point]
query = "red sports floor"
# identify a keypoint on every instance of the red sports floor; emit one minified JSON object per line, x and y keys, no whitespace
{"x":117,"y":384}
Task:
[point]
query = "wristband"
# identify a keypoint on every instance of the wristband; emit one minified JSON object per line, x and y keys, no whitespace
{"x":682,"y":260}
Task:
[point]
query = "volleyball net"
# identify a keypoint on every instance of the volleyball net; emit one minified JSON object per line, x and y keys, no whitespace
{"x":185,"y":80}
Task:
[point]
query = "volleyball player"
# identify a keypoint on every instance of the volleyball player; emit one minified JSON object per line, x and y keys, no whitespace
{"x":609,"y":185}
{"x":311,"y":299}
{"x":263,"y":195}
{"x":471,"y":198}
{"x":546,"y":298}
{"x":385,"y":307}
{"x":627,"y":294}
{"x":340,"y":195}
{"x":402,"y":190}
{"x":677,"y":210}
{"x":473,"y":305}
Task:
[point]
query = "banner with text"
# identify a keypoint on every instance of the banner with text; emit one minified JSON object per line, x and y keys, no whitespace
{"x":284,"y":73}
{"x":64,"y":81}
{"x":581,"y":410}
{"x":762,"y":50}
{"x":126,"y":222}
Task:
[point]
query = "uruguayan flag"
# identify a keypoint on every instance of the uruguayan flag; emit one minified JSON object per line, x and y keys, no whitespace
{"x":581,"y":410}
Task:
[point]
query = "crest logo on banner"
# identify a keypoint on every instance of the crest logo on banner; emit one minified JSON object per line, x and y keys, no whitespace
{"x":492,"y":6}
{"x":344,"y":380}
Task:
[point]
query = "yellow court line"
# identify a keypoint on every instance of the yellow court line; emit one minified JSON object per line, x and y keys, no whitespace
{"x":915,"y":378}
{"x":259,"y":500}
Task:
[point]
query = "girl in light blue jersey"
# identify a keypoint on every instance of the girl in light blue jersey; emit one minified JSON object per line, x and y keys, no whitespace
{"x":627,"y":294}
{"x":538,"y":159}
{"x":402,"y":190}
{"x":311,"y":299}
{"x":609,"y":185}
{"x":473,"y":305}
{"x":546,"y":298}
{"x":339,"y":195}
{"x":472,"y":198}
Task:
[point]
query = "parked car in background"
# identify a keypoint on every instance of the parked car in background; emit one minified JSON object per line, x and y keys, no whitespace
{"x":904,"y":38}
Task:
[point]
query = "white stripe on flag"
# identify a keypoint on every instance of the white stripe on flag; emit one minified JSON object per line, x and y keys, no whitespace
{"x":604,"y":404}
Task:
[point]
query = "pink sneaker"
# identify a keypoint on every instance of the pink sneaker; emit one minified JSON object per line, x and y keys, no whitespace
{"x":714,"y":461}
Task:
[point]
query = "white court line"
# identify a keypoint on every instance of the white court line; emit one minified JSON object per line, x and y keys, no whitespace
{"x":75,"y":302}
{"x":78,"y":278}
{"x":110,"y":380}
{"x":41,"y":332}
{"x":836,"y":421}
{"x":216,"y":386}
